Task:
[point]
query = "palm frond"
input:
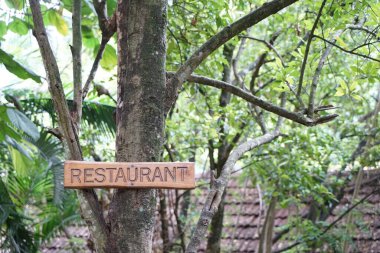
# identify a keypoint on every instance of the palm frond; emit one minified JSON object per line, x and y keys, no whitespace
{"x":17,"y":238}
{"x":96,"y":115}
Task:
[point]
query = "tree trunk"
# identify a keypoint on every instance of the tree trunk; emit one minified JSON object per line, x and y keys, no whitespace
{"x":265,"y":243}
{"x":216,"y":229}
{"x":141,"y":27}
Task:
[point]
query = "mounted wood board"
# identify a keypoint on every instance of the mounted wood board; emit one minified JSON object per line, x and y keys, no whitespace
{"x":82,"y":174}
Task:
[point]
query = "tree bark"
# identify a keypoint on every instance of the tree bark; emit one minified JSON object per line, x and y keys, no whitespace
{"x":216,"y":229}
{"x":140,"y":117}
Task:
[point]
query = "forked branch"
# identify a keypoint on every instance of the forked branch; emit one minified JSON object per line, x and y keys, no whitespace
{"x":108,"y":28}
{"x":308,"y":44}
{"x":227,"y":33}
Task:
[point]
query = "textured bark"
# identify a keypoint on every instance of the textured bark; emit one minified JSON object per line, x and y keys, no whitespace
{"x":216,"y":229}
{"x":141,"y":27}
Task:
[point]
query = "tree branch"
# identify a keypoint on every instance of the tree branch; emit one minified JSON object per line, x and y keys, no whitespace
{"x":108,"y":28}
{"x":174,"y":84}
{"x":298,"y":117}
{"x":361,"y":28}
{"x":303,"y":66}
{"x":91,"y":209}
{"x":76,"y":50}
{"x":345,"y":50}
{"x":94,"y":67}
{"x":314,"y":83}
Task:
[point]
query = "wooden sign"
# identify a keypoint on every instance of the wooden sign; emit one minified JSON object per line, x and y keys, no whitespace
{"x":80,"y":174}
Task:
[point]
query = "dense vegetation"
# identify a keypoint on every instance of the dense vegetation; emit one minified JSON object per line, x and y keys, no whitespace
{"x":316,"y":63}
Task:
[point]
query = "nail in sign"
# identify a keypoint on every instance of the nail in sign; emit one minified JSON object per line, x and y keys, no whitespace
{"x":81,"y":174}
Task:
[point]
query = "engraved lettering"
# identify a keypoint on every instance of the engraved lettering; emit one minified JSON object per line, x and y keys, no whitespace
{"x":81,"y":174}
{"x":88,"y":173}
{"x":183,"y":169}
{"x":172,"y":174}
{"x":111,"y":174}
{"x":129,"y":174}
{"x":157,"y":173}
{"x":101,"y":174}
{"x":120,"y":174}
{"x":144,"y":171}
{"x":77,"y":175}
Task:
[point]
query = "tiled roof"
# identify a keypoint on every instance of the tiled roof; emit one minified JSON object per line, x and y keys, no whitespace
{"x":242,"y":207}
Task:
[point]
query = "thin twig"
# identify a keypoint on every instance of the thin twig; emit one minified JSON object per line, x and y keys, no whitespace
{"x":347,"y":51}
{"x":303,"y":66}
{"x":314,"y":83}
{"x":94,"y":68}
{"x":108,"y":28}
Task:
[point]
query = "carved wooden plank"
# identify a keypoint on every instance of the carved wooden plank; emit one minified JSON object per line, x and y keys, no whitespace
{"x":81,"y":174}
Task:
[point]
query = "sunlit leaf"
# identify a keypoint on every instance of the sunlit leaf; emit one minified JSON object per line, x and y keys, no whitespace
{"x":57,"y":20}
{"x":3,"y":28}
{"x":18,"y":26}
{"x":109,"y":59}
{"x":15,"y":4}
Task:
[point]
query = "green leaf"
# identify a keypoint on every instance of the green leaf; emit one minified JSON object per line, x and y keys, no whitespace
{"x":21,"y":163}
{"x":111,"y":7}
{"x":20,"y":148}
{"x":3,"y":28}
{"x":339,"y":92}
{"x":56,"y":19}
{"x":15,"y":4}
{"x":18,"y":26}
{"x":23,"y":123}
{"x":356,"y":97}
{"x":16,"y":68}
{"x":341,"y":42}
{"x":109,"y":59}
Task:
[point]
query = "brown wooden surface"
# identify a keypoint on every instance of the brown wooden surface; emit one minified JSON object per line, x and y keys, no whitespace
{"x":82,"y":174}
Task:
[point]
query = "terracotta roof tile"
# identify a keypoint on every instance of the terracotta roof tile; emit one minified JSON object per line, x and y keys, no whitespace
{"x":242,"y":208}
